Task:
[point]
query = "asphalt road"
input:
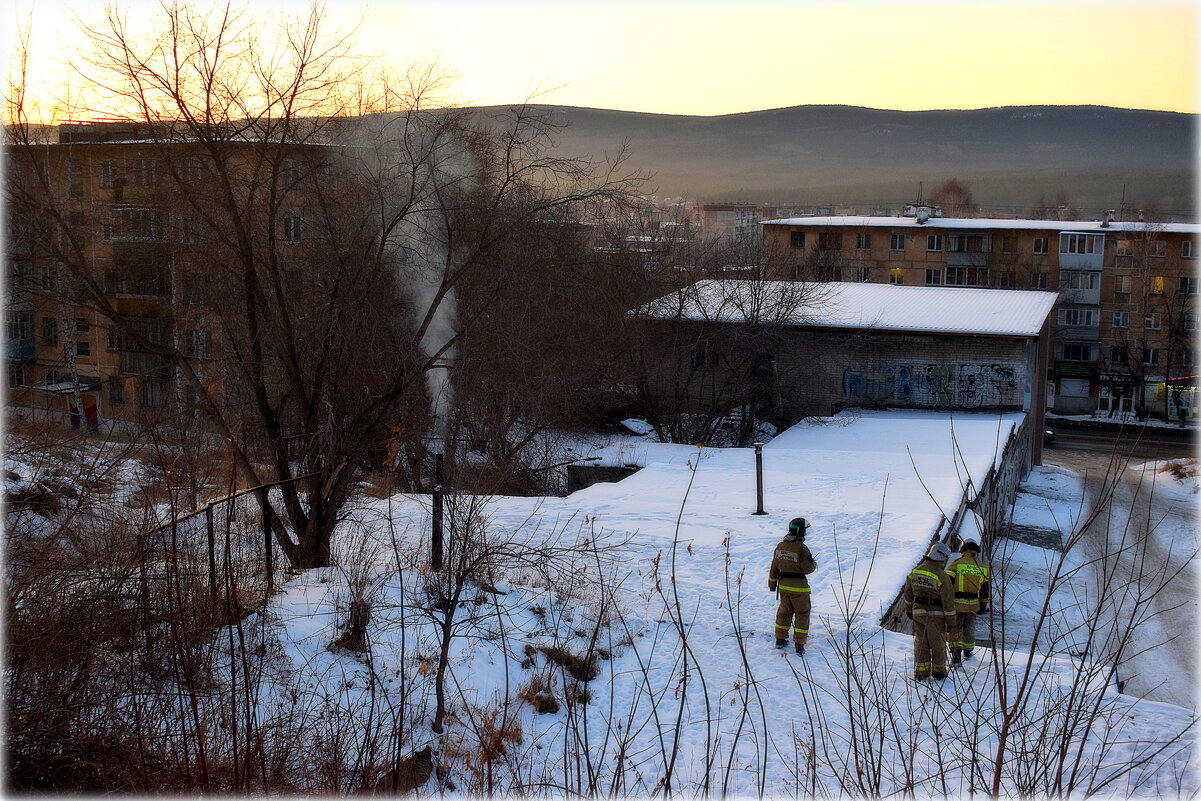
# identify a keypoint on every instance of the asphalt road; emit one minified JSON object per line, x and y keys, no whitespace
{"x":1139,"y":443}
{"x":1161,"y":661}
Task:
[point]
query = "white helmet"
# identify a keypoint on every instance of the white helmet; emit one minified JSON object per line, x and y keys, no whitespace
{"x":939,"y":552}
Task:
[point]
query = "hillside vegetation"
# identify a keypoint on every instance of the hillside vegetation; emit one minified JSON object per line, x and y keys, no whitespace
{"x":835,"y":155}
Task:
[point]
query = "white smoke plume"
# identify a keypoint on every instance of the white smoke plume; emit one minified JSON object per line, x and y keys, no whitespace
{"x":414,"y":161}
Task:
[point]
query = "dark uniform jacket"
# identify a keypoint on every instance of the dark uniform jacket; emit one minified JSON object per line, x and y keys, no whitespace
{"x":789,"y":565}
{"x":929,"y":591}
{"x":969,"y":575}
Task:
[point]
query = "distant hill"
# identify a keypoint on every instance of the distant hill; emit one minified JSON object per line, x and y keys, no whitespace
{"x":838,"y":155}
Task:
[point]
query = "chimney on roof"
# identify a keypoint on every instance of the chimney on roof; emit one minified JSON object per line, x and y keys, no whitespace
{"x":1109,"y":214}
{"x":1140,"y":216}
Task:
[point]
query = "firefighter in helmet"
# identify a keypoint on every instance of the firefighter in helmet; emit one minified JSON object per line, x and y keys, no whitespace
{"x":969,"y":575}
{"x":930,"y":602}
{"x":790,"y":563}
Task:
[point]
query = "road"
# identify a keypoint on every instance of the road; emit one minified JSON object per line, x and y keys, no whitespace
{"x":1156,"y":667}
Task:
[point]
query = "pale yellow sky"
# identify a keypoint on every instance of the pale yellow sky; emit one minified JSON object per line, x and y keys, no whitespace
{"x":715,"y":58}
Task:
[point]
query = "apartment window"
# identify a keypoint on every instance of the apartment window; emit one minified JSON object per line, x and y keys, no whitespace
{"x":1184,"y":357}
{"x":704,"y":355}
{"x":1157,"y":248}
{"x":796,"y":240}
{"x":197,"y":344}
{"x":1188,"y":321}
{"x":81,"y":325}
{"x":111,"y":338}
{"x":1040,"y":245}
{"x":1078,"y":243}
{"x":1188,"y":250}
{"x":20,"y":325}
{"x":1150,"y":357}
{"x":83,"y":348}
{"x":75,"y":175}
{"x":1121,"y":319}
{"x":152,"y":392}
{"x":1009,"y":279}
{"x":145,"y":172}
{"x":829,"y":241}
{"x":292,"y":229}
{"x":1118,"y":354}
{"x":1152,"y":321}
{"x":1009,"y":244}
{"x":1078,"y":317}
{"x":1038,"y":280}
{"x":1156,"y":285}
{"x":292,"y":172}
{"x":933,"y":277}
{"x":49,"y":331}
{"x":967,"y":276}
{"x":116,"y":392}
{"x":896,"y":242}
{"x":896,"y":276}
{"x":128,"y":224}
{"x":1077,"y":352}
{"x":863,"y":274}
{"x":1121,"y":284}
{"x":1125,"y":247}
{"x":863,"y":241}
{"x":1188,"y":285}
{"x":190,"y":170}
{"x":934,"y":242}
{"x":1079,"y":279}
{"x":108,"y":174}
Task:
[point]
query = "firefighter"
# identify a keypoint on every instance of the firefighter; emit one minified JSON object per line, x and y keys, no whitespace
{"x":790,"y":563}
{"x":969,"y":575}
{"x":929,"y":601}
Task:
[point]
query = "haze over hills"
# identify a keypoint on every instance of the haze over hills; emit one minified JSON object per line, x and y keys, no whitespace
{"x":1011,"y":157}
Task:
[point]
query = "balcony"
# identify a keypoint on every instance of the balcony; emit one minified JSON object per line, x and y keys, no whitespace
{"x":19,"y":349}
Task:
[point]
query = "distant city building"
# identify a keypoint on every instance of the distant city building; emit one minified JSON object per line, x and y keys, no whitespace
{"x":1125,"y":320}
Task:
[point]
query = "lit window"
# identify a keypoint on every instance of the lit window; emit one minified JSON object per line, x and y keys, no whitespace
{"x":1156,"y":285}
{"x":896,"y":276}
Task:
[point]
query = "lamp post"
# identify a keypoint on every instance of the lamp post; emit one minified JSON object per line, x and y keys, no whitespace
{"x":759,"y":479}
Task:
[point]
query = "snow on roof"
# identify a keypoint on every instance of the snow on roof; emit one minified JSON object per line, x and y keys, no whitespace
{"x":884,"y":307}
{"x":991,"y":224}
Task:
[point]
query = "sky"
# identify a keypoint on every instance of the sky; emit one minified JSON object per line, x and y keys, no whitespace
{"x":717,"y":58}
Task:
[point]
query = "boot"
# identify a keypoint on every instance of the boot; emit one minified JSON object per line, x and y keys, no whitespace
{"x":956,"y":656}
{"x":800,"y":649}
{"x":781,"y":643}
{"x":967,"y":653}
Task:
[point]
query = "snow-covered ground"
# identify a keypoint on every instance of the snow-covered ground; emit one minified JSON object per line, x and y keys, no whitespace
{"x":665,"y":572}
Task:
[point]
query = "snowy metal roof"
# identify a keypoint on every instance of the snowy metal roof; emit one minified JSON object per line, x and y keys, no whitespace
{"x":991,"y":224}
{"x":884,"y":307}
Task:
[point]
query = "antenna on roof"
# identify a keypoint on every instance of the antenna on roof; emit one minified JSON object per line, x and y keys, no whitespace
{"x":919,"y":193}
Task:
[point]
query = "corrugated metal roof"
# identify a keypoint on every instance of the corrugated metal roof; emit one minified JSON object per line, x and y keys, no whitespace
{"x":884,"y":307}
{"x":991,"y":224}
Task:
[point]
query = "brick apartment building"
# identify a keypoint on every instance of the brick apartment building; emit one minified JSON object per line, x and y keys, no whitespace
{"x":1125,"y":321}
{"x":107,"y":196}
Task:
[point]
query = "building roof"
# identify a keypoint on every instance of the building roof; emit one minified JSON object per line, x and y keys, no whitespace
{"x":882,"y":307}
{"x":991,"y":224}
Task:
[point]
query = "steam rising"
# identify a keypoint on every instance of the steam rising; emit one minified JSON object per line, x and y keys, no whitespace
{"x":418,"y":166}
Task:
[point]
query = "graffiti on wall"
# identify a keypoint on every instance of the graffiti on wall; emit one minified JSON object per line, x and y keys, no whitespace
{"x":965,"y":385}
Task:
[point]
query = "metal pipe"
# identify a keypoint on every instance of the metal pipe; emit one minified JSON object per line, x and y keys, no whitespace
{"x":436,"y":555}
{"x":759,"y":479}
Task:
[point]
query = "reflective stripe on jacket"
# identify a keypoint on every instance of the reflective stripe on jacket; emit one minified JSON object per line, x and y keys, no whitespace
{"x":790,"y":563}
{"x":970,"y":577}
{"x":928,"y":590}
